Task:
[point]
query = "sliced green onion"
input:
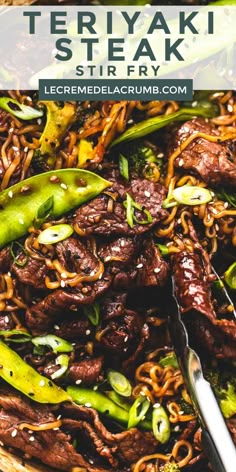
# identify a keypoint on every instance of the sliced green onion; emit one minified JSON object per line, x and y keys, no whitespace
{"x":118,"y":400}
{"x":124,"y":167}
{"x":54,"y":342}
{"x":130,"y":206}
{"x":63,"y":361}
{"x":230,"y":276}
{"x":43,"y":212}
{"x":15,"y":257}
{"x":119,"y":383}
{"x":163,"y":249}
{"x":93,"y":313}
{"x":23,"y":112}
{"x":169,"y":360}
{"x":55,"y":233}
{"x":188,"y":195}
{"x":160,"y":424}
{"x":16,"y":336}
{"x":138,"y":411}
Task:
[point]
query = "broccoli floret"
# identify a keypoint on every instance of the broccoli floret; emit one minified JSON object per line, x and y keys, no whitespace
{"x":169,"y":467}
{"x":139,"y":154}
{"x":225,"y":389}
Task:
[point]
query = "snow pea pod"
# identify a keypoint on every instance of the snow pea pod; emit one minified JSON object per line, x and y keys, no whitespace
{"x":153,"y":124}
{"x":15,"y":371}
{"x":68,"y":188}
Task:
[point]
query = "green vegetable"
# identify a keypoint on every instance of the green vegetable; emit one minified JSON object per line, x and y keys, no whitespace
{"x":58,"y":120}
{"x":153,"y":124}
{"x":43,"y":213}
{"x":23,"y":112}
{"x":188,"y":195}
{"x":169,"y":359}
{"x":119,"y":383}
{"x":15,"y":257}
{"x":230,"y":276}
{"x":16,"y":336}
{"x":124,"y":167}
{"x":55,"y":233}
{"x":138,"y":411}
{"x":163,"y":249}
{"x":19,"y":204}
{"x":93,"y":313}
{"x":130,"y":206}
{"x":227,"y":197}
{"x":138,"y":155}
{"x":160,"y":424}
{"x":54,"y":342}
{"x":63,"y":361}
{"x":169,"y":467}
{"x":24,"y":378}
{"x":118,"y":399}
{"x":224,"y":385}
{"x":99,"y":402}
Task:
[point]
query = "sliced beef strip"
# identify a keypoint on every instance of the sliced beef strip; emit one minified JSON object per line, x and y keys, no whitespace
{"x":214,"y":163}
{"x":5,"y":260}
{"x":209,"y":338}
{"x":33,"y":273}
{"x":152,"y":269}
{"x":73,"y":329}
{"x":131,"y":445}
{"x":192,"y":287}
{"x":87,"y":370}
{"x":194,"y":296}
{"x":52,"y":447}
{"x":94,"y":217}
{"x":42,"y":316}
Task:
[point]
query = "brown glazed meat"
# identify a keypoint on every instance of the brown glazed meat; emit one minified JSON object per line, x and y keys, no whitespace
{"x":214,"y":163}
{"x":94,"y":217}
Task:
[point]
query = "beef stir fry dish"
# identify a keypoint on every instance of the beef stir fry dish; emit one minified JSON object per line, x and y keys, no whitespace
{"x":100,"y":204}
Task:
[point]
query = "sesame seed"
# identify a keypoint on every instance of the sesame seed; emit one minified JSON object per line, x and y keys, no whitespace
{"x":63,"y":284}
{"x":139,"y":266}
{"x":156,"y":270}
{"x":181,"y":412}
{"x":55,"y":429}
{"x":122,"y":243}
{"x":15,"y":148}
{"x":10,"y":194}
{"x":214,"y":211}
{"x":78,"y":382}
{"x":64,"y":186}
{"x":147,"y":194}
{"x":160,"y":154}
{"x":6,"y":319}
{"x":32,"y":438}
{"x":156,"y":405}
{"x":26,"y":149}
{"x":63,"y":275}
{"x":92,"y":273}
{"x":14,"y":433}
{"x":39,"y":121}
{"x":59,"y":417}
{"x":56,"y":327}
{"x":87,"y":332}
{"x":42,"y":383}
{"x":181,"y":161}
{"x":226,"y":204}
{"x":88,"y":405}
{"x":176,"y":429}
{"x":11,"y":130}
{"x":95,"y":387}
{"x":217,"y":227}
{"x":126,"y":338}
{"x":1,"y":444}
